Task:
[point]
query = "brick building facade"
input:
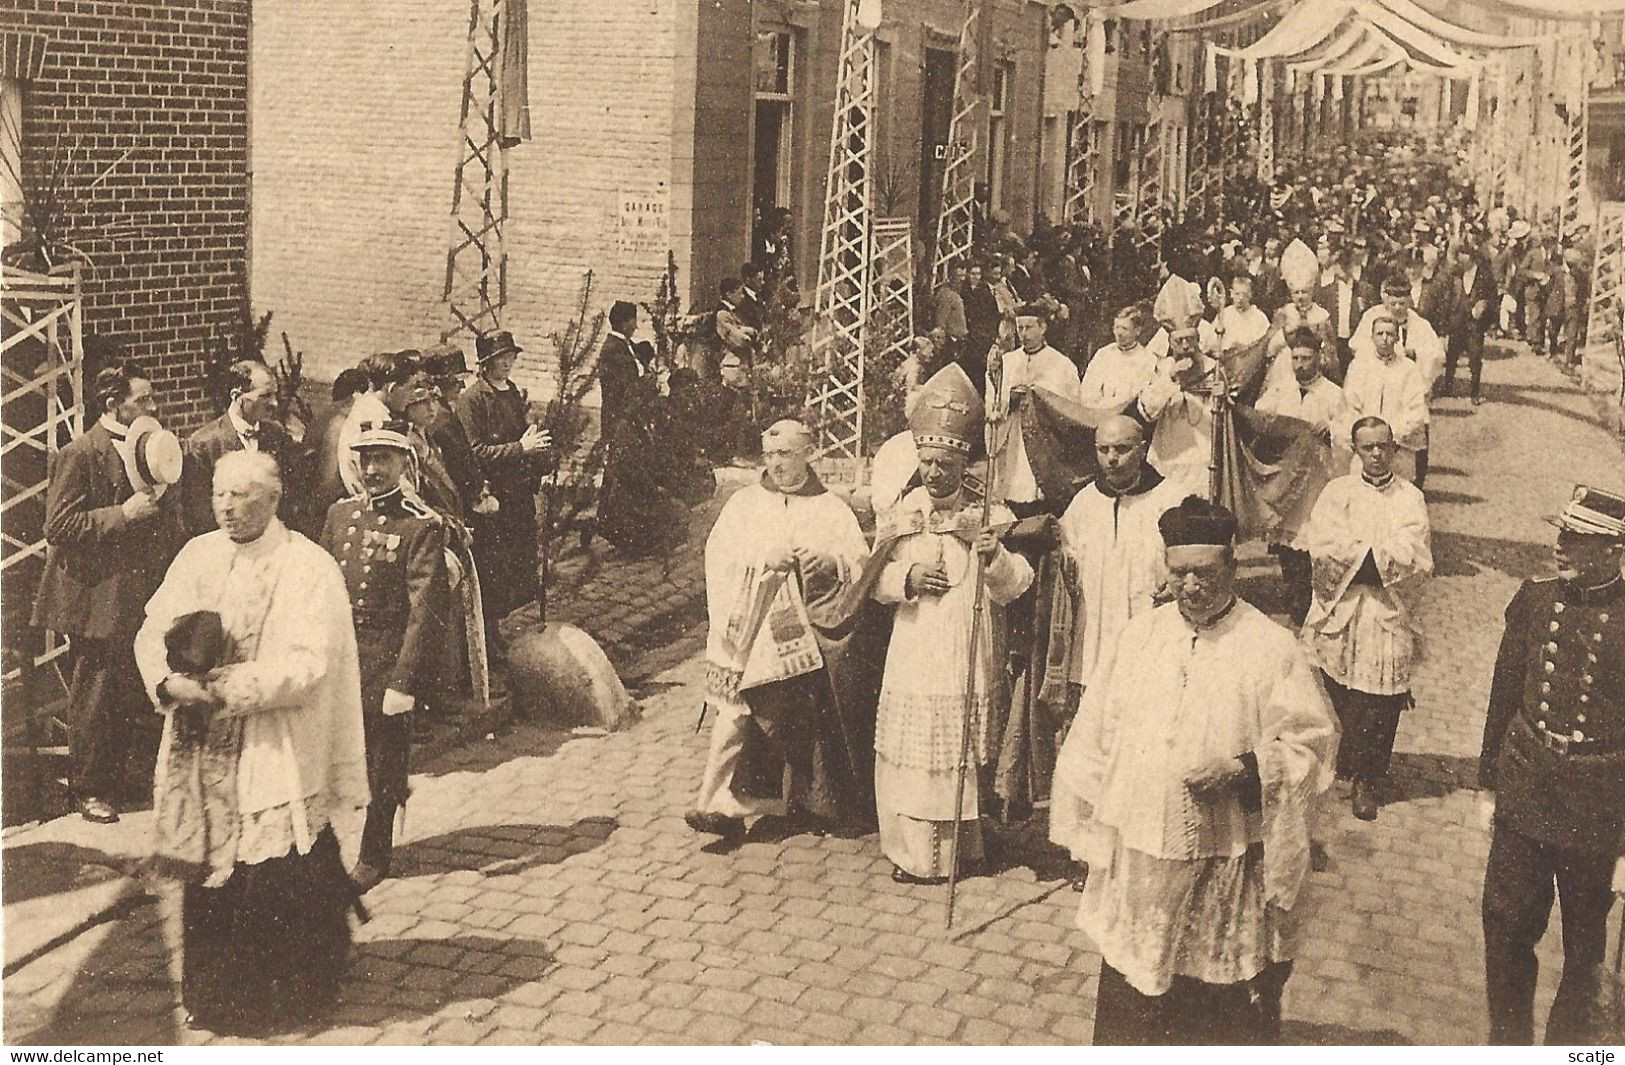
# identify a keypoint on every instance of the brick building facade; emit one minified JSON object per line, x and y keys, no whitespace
{"x":162,"y":86}
{"x":657,"y":124}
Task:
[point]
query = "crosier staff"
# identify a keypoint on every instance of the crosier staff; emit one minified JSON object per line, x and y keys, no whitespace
{"x":978,"y":604}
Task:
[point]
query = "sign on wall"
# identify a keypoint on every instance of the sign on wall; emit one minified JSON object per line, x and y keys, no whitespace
{"x":642,"y":225}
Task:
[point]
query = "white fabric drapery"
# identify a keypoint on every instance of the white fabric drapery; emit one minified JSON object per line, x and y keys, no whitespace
{"x":1299,"y":30}
{"x":1423,"y":19}
{"x":1334,"y":49}
{"x":1235,"y":18}
{"x":1432,"y":49}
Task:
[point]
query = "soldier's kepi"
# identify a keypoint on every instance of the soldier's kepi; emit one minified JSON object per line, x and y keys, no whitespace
{"x":1553,"y":770}
{"x":391,"y":549}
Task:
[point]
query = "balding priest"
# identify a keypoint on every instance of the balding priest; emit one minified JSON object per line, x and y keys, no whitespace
{"x":777,"y":563}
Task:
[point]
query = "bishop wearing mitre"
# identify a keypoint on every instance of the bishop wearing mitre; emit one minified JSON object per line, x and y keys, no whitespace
{"x":932,"y":550}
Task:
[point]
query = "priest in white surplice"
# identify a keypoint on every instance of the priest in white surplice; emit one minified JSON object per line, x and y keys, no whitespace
{"x":1310,"y":398}
{"x":1416,"y":340}
{"x":1369,"y":544}
{"x":932,"y":541}
{"x":261,"y":782}
{"x":1178,"y":404}
{"x":1238,"y":324}
{"x":791,"y":536}
{"x":1118,"y":372}
{"x":1033,"y":365}
{"x":1115,"y":555}
{"x":1205,"y":738}
{"x":1383,"y":383}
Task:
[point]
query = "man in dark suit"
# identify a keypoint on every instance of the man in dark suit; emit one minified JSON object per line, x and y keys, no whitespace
{"x":1553,"y":773}
{"x":447,"y":367}
{"x":108,"y":547}
{"x":1345,"y":299}
{"x":629,"y":401}
{"x":249,"y":423}
{"x":752,"y":305}
{"x":1270,"y":291}
{"x":619,"y":368}
{"x":981,"y":325}
{"x":1470,"y":311}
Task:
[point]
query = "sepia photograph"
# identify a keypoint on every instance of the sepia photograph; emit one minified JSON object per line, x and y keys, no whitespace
{"x":703,"y":523}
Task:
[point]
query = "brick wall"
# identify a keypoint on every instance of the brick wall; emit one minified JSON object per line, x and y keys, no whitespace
{"x":355,"y":106}
{"x":167,"y":83}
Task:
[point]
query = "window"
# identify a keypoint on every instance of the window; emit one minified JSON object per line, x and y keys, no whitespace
{"x":775,"y":58}
{"x":998,"y":134}
{"x":773,"y":131}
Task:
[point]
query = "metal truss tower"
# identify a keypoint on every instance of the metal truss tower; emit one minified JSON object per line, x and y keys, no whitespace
{"x":1148,"y":187}
{"x":957,"y":205}
{"x":1608,"y":275}
{"x":1577,"y":130}
{"x":1083,"y":149}
{"x":476,"y":264}
{"x":843,"y":300}
{"x":893,"y":317}
{"x":1266,"y":123}
{"x":1202,"y":171}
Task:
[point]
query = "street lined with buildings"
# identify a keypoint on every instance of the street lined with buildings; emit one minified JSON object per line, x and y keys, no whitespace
{"x":548,"y":891}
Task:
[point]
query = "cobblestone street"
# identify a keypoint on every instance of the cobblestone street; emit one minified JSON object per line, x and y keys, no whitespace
{"x":549,"y":892}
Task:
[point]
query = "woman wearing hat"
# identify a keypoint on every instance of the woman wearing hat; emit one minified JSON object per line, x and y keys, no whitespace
{"x":513,"y":455}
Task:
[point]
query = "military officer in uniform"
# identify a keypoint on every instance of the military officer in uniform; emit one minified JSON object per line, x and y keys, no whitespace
{"x":392,"y":552}
{"x":1553,"y":767}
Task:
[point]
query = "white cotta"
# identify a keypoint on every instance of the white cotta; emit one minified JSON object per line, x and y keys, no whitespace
{"x":1116,"y":551}
{"x":1115,"y":378}
{"x":1391,"y":390}
{"x":1364,"y":636}
{"x":755,"y":524}
{"x":1182,"y":438}
{"x":303,"y":761}
{"x":1416,"y":333}
{"x":1167,"y":699}
{"x":1233,"y":328}
{"x":1047,"y":369}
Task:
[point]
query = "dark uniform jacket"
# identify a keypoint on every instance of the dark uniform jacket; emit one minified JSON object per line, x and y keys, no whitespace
{"x":209,"y":444}
{"x":392,"y":552}
{"x":1560,"y":673}
{"x":1362,"y":297}
{"x":100,"y":568}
